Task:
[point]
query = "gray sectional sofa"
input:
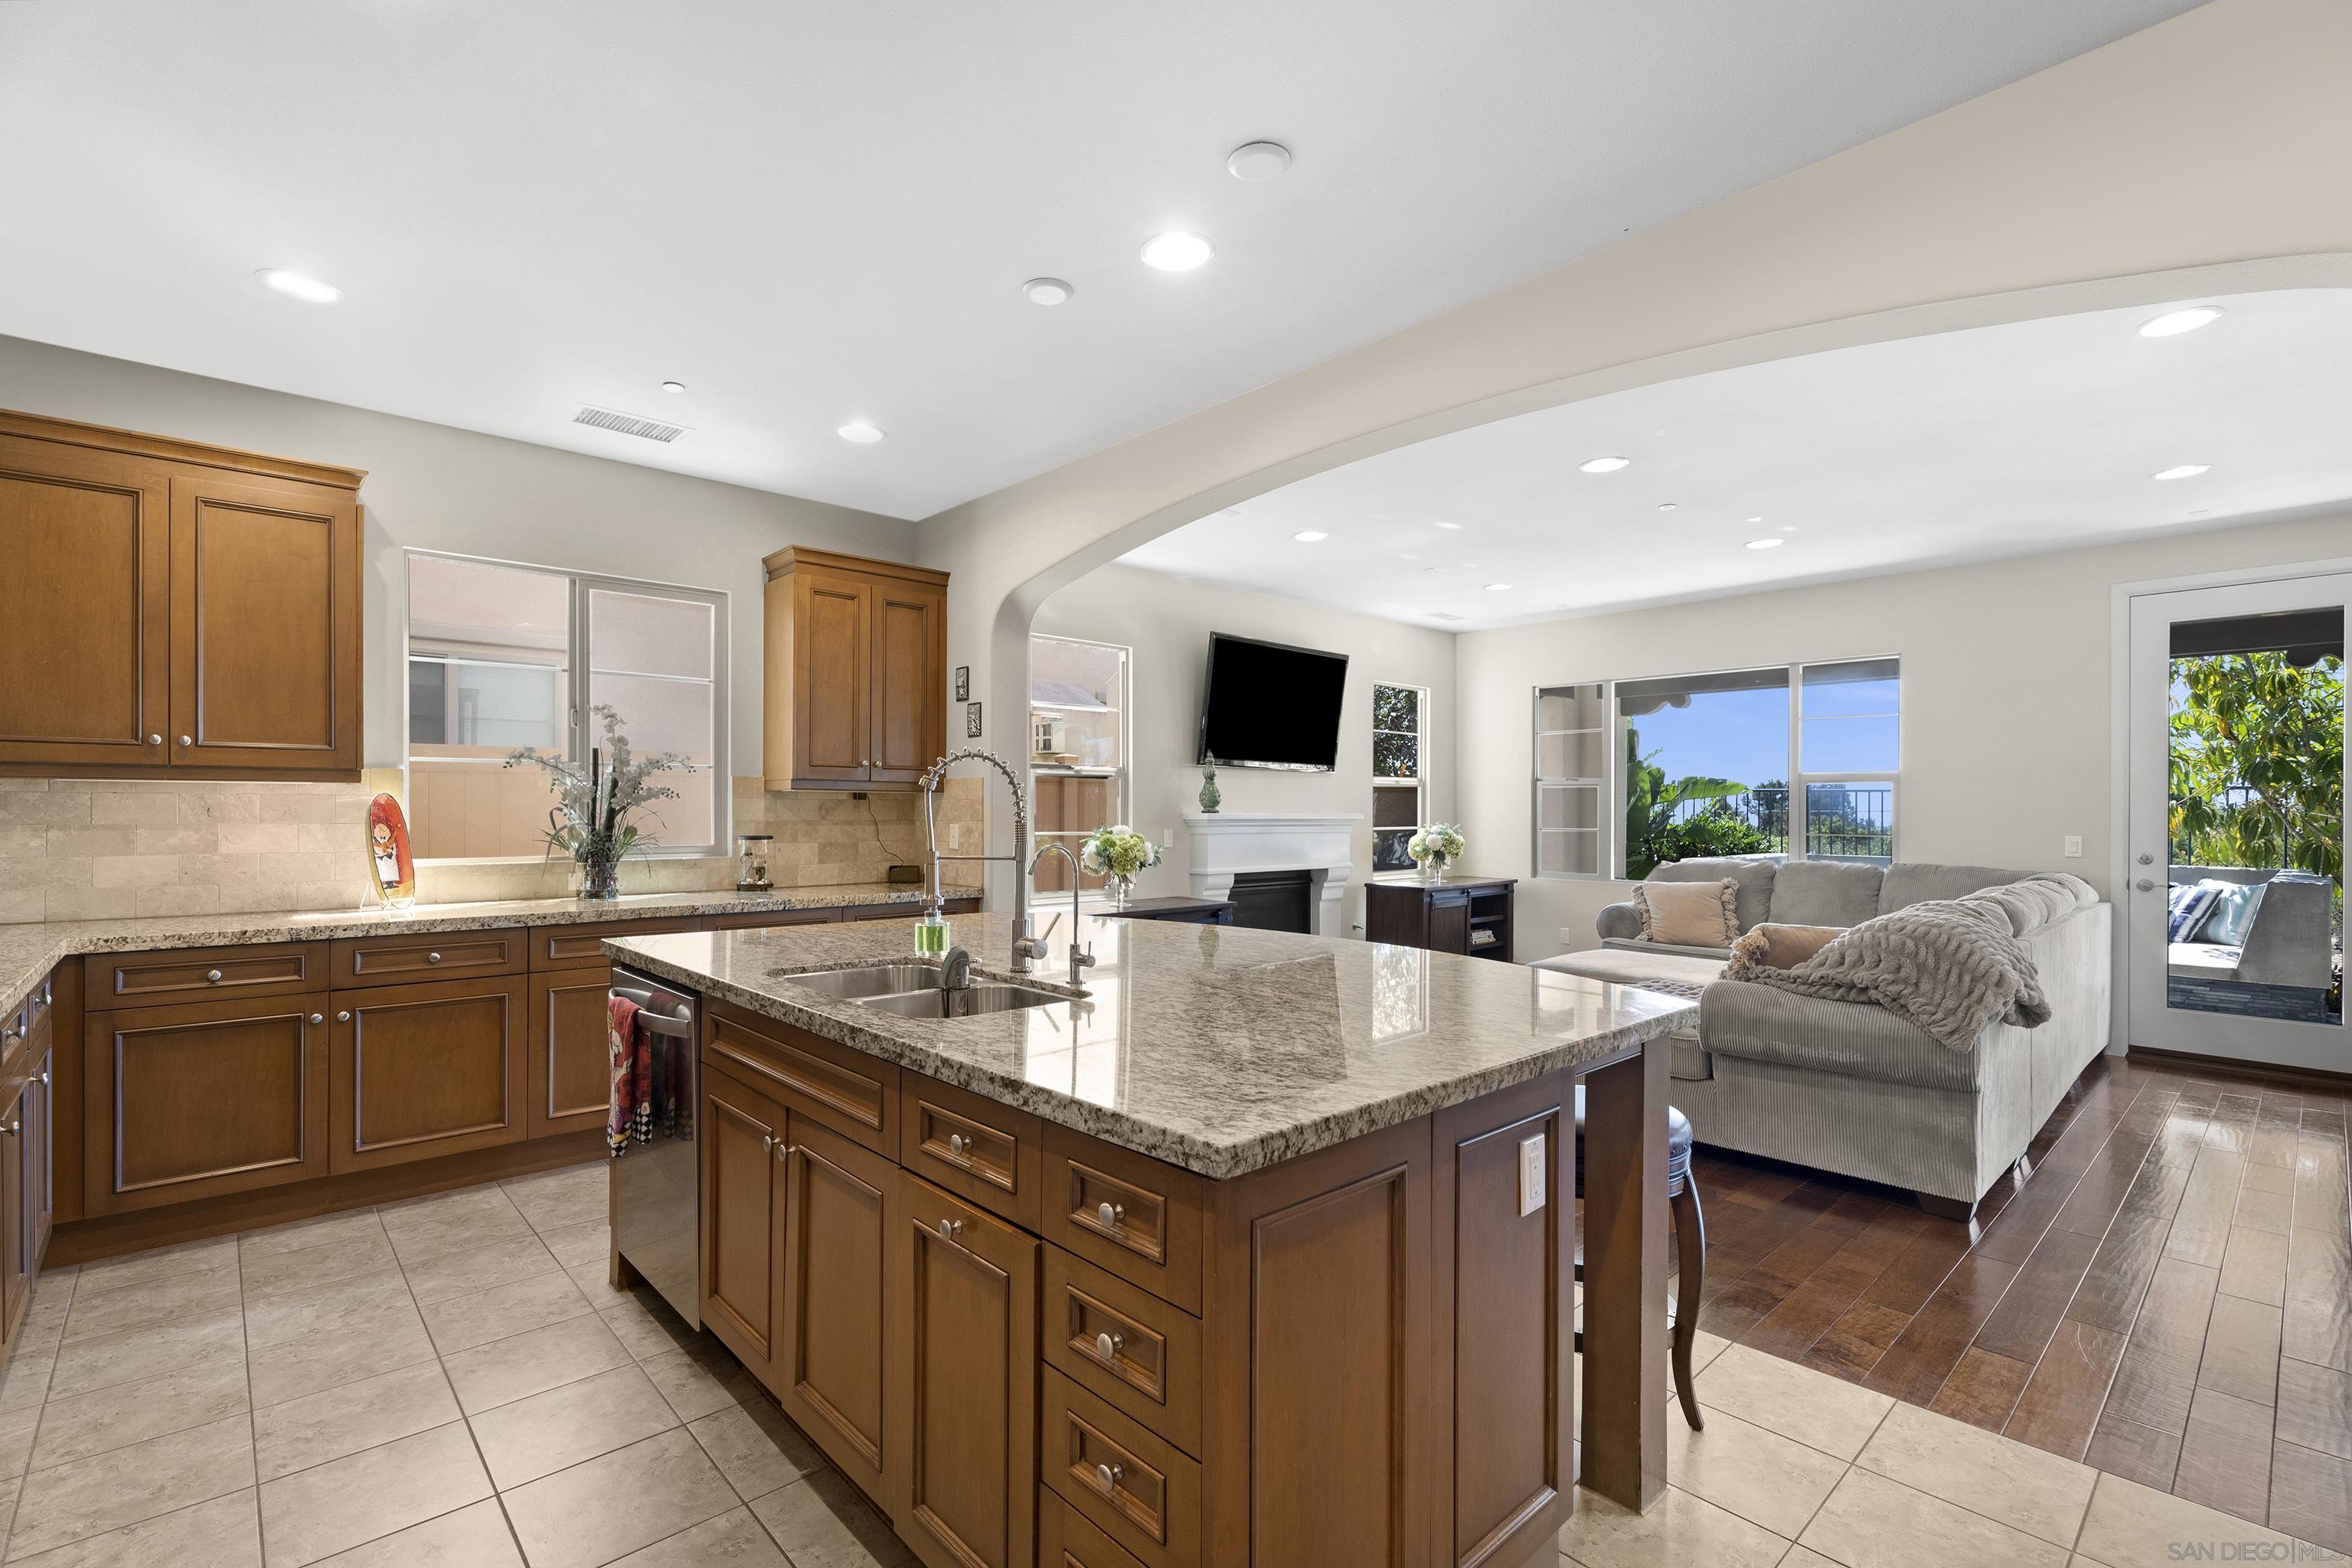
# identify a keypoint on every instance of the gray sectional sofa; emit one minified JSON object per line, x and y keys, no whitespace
{"x":1849,"y":1086}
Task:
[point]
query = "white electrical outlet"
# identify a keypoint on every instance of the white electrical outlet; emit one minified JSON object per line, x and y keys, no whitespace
{"x":1168,"y":839}
{"x":955,"y":835}
{"x":1531,"y":1174}
{"x":2074,"y":847}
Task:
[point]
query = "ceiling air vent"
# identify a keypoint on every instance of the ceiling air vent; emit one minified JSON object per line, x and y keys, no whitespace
{"x":626,"y":423}
{"x":1446,"y":615}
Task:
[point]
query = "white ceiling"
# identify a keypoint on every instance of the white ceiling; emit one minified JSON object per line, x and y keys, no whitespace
{"x":817,"y":213}
{"x":1965,"y":446}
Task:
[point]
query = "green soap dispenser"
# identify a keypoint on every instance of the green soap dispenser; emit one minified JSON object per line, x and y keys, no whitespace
{"x":931,"y":932}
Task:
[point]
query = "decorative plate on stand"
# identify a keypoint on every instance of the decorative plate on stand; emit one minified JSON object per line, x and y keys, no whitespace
{"x":388,"y":857}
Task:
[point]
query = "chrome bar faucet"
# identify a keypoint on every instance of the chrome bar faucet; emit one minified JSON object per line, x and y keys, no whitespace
{"x":1080,"y":960}
{"x":1027,"y":948}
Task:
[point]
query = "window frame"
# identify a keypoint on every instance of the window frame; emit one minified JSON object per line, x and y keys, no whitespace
{"x":1420,"y":781}
{"x":579,"y":672}
{"x":1122,"y":776}
{"x":1609,"y":859}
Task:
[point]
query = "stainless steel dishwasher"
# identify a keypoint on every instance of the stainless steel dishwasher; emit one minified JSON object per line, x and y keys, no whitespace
{"x":656,"y":1184}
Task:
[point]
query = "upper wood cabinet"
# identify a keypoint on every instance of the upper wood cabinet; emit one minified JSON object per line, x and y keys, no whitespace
{"x":856,"y":670}
{"x":176,"y":606}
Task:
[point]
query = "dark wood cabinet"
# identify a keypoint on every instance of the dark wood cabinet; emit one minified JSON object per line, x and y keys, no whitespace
{"x":570,"y":1076}
{"x":182,"y":608}
{"x":203,"y":1098}
{"x":963,"y":1382}
{"x":427,"y":1070}
{"x":856,"y":670}
{"x":742,"y":1220}
{"x":1461,"y":914}
{"x":841,"y":1207}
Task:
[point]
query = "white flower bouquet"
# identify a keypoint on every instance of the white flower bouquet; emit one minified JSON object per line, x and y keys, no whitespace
{"x":1118,"y":852}
{"x":1436,"y":847}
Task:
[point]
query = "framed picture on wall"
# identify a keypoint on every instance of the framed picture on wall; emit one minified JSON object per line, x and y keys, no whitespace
{"x":963,"y":683}
{"x":971,"y":721}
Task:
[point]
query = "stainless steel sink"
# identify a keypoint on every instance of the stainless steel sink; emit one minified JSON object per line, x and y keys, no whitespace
{"x":869,"y":979}
{"x":971,"y":1002}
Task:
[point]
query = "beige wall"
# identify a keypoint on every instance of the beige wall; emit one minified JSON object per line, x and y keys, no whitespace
{"x":2006,"y":698}
{"x":2061,"y":191}
{"x":430,"y":486}
{"x":1166,"y":621}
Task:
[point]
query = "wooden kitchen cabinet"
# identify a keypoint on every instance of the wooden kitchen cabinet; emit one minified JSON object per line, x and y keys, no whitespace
{"x":182,"y":609}
{"x":962,"y":1378}
{"x":40,"y":1202}
{"x":570,"y":1076}
{"x":427,"y":1069}
{"x":202,"y":1099}
{"x":1461,"y":914}
{"x":841,"y":1207}
{"x":15,"y":1235}
{"x":742,"y":1198}
{"x":856,"y":670}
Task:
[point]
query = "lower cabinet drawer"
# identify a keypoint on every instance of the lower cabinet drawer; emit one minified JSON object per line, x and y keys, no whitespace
{"x":1134,"y":1486}
{"x":1144,"y":1221}
{"x":1065,"y":1539}
{"x":983,"y":1152}
{"x":420,"y":1071}
{"x":451,"y":955}
{"x":202,"y":973}
{"x":853,"y":1093}
{"x":1125,"y":1344}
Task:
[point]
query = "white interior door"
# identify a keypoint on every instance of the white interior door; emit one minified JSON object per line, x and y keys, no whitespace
{"x":2236,"y":735}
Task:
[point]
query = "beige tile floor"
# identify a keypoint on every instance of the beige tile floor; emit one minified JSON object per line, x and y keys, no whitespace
{"x":450,"y":1383}
{"x":447,"y":1382}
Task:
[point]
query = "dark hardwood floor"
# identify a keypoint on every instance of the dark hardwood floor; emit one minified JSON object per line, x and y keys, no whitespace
{"x":2168,"y":1297}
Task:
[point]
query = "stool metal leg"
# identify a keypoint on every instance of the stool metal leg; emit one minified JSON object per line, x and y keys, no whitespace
{"x":1690,"y":1254}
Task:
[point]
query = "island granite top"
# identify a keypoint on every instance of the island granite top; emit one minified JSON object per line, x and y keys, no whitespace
{"x":1218,"y":1049}
{"x":29,"y":951}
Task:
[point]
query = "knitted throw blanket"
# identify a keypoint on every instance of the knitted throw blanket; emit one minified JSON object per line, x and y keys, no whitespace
{"x":1949,"y":965}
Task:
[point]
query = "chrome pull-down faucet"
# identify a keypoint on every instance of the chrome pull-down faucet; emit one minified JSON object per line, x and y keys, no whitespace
{"x":1080,"y":960}
{"x":1027,"y":948}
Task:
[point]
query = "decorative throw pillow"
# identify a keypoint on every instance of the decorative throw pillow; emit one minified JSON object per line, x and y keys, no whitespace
{"x":1772,"y":946}
{"x":1689,"y":914}
{"x":2232,"y":912}
{"x":2190,"y":903}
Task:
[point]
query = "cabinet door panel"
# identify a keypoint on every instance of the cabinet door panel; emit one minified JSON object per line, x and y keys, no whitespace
{"x":831,"y":675}
{"x":571,"y":1063}
{"x":16,"y":1257}
{"x":86,"y":536}
{"x":1449,"y":923}
{"x":963,"y":1382}
{"x":196,"y":1100}
{"x":40,"y":1157}
{"x":909,"y":654}
{"x":425,"y":1070}
{"x":742,"y":1220}
{"x":841,"y":1201}
{"x":265,"y":625}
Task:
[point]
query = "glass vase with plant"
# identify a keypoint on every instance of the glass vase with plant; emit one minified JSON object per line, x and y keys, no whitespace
{"x":590,"y":821}
{"x":1434,"y":849}
{"x":1118,"y":852}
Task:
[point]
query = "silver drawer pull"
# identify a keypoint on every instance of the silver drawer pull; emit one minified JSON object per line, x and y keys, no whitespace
{"x":343,"y":1018}
{"x":45,"y":1078}
{"x":187,"y":740}
{"x":1108,"y":1477}
{"x":1111,"y":1214}
{"x":155,"y":740}
{"x":959,"y":1144}
{"x":16,"y":1127}
{"x":318,"y":1017}
{"x":767,"y":1140}
{"x":1107,"y":1345}
{"x":950,"y":1228}
{"x":432,"y":958}
{"x":212,"y":977}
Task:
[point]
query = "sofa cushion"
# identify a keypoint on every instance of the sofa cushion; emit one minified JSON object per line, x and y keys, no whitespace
{"x":1689,"y":914}
{"x":1826,"y":893}
{"x":1740,"y":1019}
{"x":1912,"y":882}
{"x":1754,"y":877}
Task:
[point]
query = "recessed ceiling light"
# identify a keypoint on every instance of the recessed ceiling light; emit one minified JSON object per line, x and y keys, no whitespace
{"x":1498,"y":587}
{"x":1402,"y":555}
{"x":1766,"y":543}
{"x":673,"y":386}
{"x":1755,"y":519}
{"x":859,"y":431}
{"x":1310,"y":536}
{"x":1787,"y":527}
{"x":1665,"y":506}
{"x":1445,"y":525}
{"x":1177,"y":251}
{"x":300,"y":286}
{"x":1047,"y":292}
{"x":1257,"y":161}
{"x":2184,"y":471}
{"x":2172,"y":324}
{"x":1603,"y":464}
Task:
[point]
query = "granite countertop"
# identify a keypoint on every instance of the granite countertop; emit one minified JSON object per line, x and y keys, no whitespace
{"x":1218,"y":1049}
{"x":28,"y":953}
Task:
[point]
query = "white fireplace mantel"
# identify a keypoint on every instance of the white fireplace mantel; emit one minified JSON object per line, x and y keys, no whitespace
{"x":1225,"y":843}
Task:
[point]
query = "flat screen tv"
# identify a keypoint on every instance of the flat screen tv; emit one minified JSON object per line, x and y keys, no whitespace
{"x":1268,"y":705}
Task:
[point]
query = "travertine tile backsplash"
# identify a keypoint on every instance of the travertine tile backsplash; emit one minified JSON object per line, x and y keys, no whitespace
{"x":77,"y":849}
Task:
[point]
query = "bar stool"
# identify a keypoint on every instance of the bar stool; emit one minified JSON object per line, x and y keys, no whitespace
{"x":1690,"y":1247}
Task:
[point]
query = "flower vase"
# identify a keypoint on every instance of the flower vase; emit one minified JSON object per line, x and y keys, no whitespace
{"x":1121,"y":888}
{"x":597,"y":878}
{"x":1433,"y":869}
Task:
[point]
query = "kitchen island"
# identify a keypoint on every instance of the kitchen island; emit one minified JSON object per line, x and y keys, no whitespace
{"x":1258,"y":1253}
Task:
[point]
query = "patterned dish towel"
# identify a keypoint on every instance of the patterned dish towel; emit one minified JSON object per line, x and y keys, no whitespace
{"x":629,"y":1118}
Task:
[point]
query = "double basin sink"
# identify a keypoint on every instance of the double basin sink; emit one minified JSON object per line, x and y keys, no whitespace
{"x":912,"y":990}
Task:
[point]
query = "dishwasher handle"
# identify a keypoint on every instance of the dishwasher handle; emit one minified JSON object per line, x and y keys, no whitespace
{"x":679,"y":1024}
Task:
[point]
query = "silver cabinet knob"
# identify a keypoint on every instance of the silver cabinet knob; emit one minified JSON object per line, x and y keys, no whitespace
{"x":155,"y":740}
{"x":16,"y":1127}
{"x":344,"y":1016}
{"x":1111,"y":1214}
{"x":767,"y":1140}
{"x":1108,"y":1344}
{"x":45,"y":1078}
{"x":212,"y":977}
{"x":950,"y":1228}
{"x":1108,"y":1477}
{"x":187,"y":740}
{"x":959,"y":1144}
{"x":432,"y":958}
{"x":318,"y":1017}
